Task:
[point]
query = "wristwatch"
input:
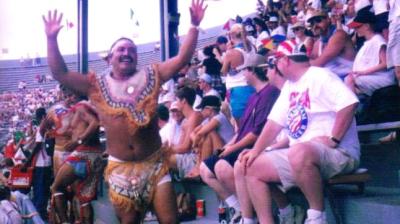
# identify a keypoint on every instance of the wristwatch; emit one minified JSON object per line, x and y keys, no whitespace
{"x":335,"y":140}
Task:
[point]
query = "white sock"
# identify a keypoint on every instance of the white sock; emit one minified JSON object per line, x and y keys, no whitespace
{"x":233,"y":202}
{"x":249,"y":220}
{"x":313,"y":214}
{"x":286,"y":211}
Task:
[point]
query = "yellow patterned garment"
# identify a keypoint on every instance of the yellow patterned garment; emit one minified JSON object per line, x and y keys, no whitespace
{"x":132,"y":184}
{"x":135,"y":98}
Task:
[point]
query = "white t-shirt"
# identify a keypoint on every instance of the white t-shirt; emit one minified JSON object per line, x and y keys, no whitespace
{"x":43,"y":160}
{"x":380,"y":6}
{"x":212,"y":92}
{"x":225,"y":128}
{"x":368,"y":55}
{"x":278,"y":31}
{"x":171,"y":132}
{"x":261,"y":36}
{"x":360,"y":4}
{"x":307,"y":108}
{"x":394,"y":10}
{"x":9,"y":213}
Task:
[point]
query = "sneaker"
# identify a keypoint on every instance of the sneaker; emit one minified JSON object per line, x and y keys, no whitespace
{"x":234,"y":216}
{"x":295,"y":217}
{"x":319,"y":220}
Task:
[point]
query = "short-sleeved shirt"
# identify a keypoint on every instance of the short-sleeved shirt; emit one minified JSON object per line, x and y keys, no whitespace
{"x":257,"y":110}
{"x":307,"y":108}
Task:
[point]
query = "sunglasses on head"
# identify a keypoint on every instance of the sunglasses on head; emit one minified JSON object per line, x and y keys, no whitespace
{"x":316,"y":20}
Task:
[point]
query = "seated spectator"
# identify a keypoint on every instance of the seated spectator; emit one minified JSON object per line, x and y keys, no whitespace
{"x":183,"y":158}
{"x":334,"y":48}
{"x":205,"y":81}
{"x":318,"y":111}
{"x":213,"y":133}
{"x":275,"y":27}
{"x":299,"y":31}
{"x":217,"y":170}
{"x":9,"y":211}
{"x":369,"y":68}
{"x":171,"y":132}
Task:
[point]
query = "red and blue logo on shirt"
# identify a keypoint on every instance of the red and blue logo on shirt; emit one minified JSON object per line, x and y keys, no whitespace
{"x":297,"y":121}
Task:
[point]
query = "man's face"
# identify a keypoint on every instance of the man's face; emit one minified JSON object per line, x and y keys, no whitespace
{"x":177,"y":115}
{"x":319,"y":25}
{"x":249,"y":76}
{"x":202,"y":84}
{"x":272,"y":25}
{"x":124,"y":56}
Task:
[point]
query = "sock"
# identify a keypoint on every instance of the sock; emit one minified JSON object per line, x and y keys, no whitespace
{"x":233,"y":202}
{"x":249,"y":220}
{"x":286,"y":211}
{"x":313,"y":214}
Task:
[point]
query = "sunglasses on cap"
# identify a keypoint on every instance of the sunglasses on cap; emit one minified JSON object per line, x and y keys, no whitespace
{"x":316,"y":20}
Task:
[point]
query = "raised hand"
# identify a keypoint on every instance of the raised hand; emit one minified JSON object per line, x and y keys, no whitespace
{"x":197,"y":11}
{"x":52,"y":24}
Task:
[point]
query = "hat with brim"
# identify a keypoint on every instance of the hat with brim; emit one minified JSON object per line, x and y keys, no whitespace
{"x":362,"y":17}
{"x":174,"y":106}
{"x":298,"y":25}
{"x":209,"y":101}
{"x":253,"y":60}
{"x":315,"y":14}
{"x":292,"y":50}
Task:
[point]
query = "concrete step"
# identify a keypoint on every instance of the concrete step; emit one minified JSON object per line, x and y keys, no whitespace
{"x":377,"y":205}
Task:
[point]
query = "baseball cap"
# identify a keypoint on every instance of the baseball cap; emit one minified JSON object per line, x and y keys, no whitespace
{"x":362,"y":17}
{"x":289,"y":48}
{"x":273,"y":19}
{"x":206,"y":78}
{"x":210,"y":101}
{"x":253,"y":60}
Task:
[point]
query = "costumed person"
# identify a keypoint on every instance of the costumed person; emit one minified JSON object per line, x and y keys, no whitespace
{"x":125,"y":99}
{"x":82,"y":167}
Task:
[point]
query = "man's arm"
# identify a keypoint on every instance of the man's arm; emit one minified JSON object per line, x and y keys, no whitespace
{"x":89,"y":118}
{"x":185,"y":143}
{"x":334,"y":47}
{"x":344,"y":117}
{"x":266,"y":138}
{"x":247,"y":140}
{"x":72,"y":80}
{"x":173,"y":65}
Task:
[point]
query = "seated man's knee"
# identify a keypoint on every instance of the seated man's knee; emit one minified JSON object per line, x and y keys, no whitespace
{"x":238,"y":168}
{"x":223,"y":169}
{"x":205,"y":172}
{"x":301,"y":156}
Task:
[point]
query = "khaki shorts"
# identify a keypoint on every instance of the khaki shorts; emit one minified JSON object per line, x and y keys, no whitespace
{"x":333,"y":162}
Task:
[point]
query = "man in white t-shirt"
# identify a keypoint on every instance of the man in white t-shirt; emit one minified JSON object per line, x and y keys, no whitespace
{"x":317,"y":110}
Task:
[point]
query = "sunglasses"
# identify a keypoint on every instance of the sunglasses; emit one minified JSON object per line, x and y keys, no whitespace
{"x":316,"y":20}
{"x":296,"y":29}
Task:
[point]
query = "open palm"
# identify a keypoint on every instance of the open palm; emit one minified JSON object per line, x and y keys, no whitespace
{"x":52,"y":23}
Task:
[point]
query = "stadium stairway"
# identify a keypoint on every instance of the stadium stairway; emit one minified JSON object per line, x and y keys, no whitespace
{"x":379,"y":204}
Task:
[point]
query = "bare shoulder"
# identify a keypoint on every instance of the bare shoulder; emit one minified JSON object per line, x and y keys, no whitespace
{"x":339,"y":35}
